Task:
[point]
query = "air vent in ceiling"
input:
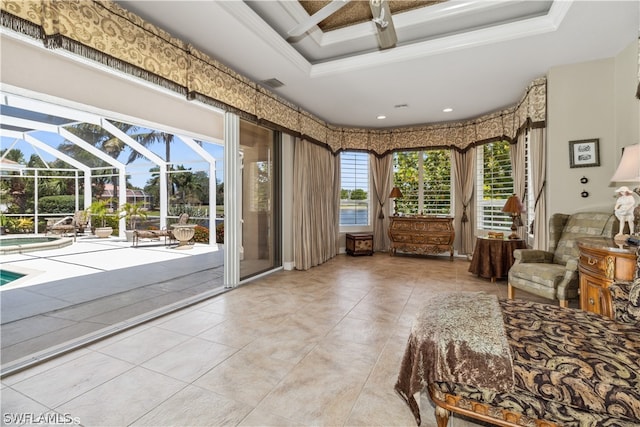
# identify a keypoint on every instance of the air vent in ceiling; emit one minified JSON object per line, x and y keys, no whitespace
{"x":273,"y":83}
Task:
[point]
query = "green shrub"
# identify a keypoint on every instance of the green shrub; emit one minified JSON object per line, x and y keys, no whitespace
{"x":220,"y":233}
{"x":59,"y":204}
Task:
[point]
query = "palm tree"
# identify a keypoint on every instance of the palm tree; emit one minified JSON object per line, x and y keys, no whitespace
{"x":153,"y":137}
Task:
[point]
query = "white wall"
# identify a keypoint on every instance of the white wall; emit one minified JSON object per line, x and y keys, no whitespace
{"x":584,"y":101}
{"x":30,"y":66}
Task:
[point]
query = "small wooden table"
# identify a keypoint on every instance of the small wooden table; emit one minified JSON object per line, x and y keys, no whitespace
{"x":492,"y":258}
{"x":359,"y":244}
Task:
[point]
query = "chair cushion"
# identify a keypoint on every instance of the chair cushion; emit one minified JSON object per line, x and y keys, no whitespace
{"x":582,"y":224}
{"x":548,"y":275}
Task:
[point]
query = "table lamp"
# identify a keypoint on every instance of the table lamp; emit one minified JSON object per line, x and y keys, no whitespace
{"x":395,"y":193}
{"x":628,"y":171}
{"x":515,"y":208}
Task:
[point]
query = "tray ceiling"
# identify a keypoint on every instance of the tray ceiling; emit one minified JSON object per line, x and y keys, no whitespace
{"x":472,"y":56}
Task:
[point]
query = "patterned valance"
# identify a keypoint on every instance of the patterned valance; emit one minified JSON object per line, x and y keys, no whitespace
{"x":105,"y":32}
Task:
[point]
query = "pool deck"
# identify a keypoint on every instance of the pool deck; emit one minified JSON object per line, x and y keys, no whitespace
{"x":95,"y":287}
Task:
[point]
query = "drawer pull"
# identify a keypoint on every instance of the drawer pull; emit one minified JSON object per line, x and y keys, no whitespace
{"x":591,"y":301}
{"x":592,"y":261}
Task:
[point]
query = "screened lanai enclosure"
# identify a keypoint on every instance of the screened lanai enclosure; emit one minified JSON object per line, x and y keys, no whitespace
{"x":56,"y":161}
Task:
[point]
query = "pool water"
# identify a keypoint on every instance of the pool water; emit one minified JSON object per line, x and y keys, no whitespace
{"x":9,"y":276}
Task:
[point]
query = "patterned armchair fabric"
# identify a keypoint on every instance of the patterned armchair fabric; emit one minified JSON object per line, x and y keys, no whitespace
{"x":553,"y":274}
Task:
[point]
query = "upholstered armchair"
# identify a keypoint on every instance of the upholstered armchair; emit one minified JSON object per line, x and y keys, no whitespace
{"x":553,"y":274}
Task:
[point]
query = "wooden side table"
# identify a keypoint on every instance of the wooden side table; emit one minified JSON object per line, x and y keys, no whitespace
{"x":602,"y":262}
{"x":492,"y":258}
{"x":359,"y":244}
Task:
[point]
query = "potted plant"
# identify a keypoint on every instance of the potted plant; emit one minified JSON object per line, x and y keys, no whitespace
{"x":132,"y":212}
{"x":99,"y":210}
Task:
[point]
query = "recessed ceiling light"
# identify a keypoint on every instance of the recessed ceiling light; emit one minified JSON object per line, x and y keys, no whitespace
{"x":381,"y":117}
{"x":447,"y":110}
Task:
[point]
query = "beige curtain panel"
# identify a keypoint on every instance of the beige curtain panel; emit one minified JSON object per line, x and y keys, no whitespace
{"x":316,"y":204}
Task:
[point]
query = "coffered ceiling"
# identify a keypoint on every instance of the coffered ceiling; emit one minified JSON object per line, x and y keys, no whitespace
{"x":473,"y":56}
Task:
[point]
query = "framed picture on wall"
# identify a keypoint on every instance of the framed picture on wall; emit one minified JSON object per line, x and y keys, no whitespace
{"x":584,"y":153}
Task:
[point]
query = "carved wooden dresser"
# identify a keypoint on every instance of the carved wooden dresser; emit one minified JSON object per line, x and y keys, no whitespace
{"x":602,"y":262}
{"x":422,"y":235}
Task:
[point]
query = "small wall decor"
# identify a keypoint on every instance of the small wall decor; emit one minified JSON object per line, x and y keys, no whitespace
{"x":584,"y":180}
{"x":584,"y":153}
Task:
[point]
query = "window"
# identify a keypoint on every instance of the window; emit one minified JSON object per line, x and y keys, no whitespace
{"x":354,"y":188}
{"x":424,"y":177}
{"x":494,"y":185}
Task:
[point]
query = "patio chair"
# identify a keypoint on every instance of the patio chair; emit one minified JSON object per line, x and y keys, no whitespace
{"x":157,"y":234}
{"x":81,"y":220}
{"x":62,"y":226}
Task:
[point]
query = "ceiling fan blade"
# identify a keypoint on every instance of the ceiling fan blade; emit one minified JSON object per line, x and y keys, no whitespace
{"x":386,"y":32}
{"x":317,"y":17}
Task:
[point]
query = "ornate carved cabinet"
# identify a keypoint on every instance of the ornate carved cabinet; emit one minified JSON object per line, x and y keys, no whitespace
{"x":601,"y":263}
{"x":421,"y":234}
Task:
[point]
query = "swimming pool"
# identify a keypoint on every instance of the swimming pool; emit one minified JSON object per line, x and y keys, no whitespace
{"x":22,"y":244}
{"x":9,"y":276}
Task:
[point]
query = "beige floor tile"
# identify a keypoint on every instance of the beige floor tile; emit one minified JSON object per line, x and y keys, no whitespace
{"x":190,"y":360}
{"x":16,"y":407}
{"x":191,"y":322}
{"x":65,"y":382}
{"x":44,"y":366}
{"x":122,"y":400}
{"x":144,"y":345}
{"x":194,"y":406}
{"x":259,"y":418}
{"x":324,"y":385}
{"x":246,"y":377}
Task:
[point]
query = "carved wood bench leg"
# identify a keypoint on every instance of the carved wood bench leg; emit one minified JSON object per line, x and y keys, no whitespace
{"x":442,"y":416}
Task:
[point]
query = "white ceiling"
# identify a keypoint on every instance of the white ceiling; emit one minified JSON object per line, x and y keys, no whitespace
{"x":474,"y":56}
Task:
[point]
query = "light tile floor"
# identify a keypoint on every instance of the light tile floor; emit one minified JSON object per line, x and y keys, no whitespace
{"x":321,"y":347}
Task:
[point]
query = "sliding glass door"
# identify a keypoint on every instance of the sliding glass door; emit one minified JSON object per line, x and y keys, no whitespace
{"x":260,"y":200}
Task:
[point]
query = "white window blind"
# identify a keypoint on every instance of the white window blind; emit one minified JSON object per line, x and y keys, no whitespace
{"x":494,"y":185}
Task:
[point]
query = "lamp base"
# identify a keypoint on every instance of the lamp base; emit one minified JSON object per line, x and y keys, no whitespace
{"x":514,"y":236}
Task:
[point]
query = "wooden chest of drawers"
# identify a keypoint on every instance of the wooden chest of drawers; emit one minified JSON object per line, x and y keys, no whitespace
{"x":601,"y":263}
{"x":421,"y":234}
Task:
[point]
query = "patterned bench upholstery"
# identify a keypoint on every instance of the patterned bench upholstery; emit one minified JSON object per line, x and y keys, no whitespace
{"x":570,"y":367}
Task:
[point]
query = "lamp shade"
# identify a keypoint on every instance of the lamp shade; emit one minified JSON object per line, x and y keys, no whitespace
{"x":395,"y":193}
{"x":629,"y":167}
{"x":513,"y":205}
